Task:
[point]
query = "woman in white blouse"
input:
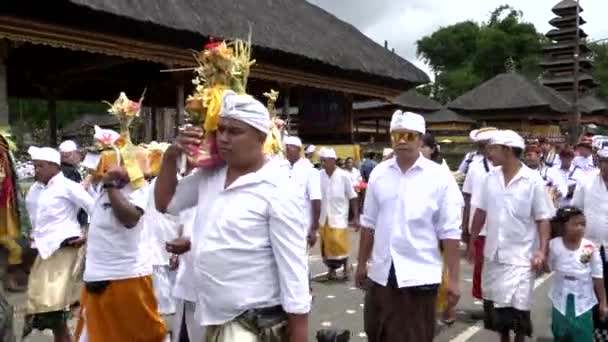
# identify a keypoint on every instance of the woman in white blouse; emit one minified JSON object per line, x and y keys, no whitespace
{"x":578,"y":283}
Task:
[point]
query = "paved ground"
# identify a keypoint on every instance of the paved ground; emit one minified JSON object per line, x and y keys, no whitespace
{"x":340,"y":305}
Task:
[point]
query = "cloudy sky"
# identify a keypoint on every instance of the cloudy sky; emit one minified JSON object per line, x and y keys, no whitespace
{"x":402,"y":22}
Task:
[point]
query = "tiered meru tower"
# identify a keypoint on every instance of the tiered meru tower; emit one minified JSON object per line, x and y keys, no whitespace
{"x":559,"y":56}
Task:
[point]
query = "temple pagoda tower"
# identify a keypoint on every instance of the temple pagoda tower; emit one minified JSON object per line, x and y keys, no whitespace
{"x":559,"y":56}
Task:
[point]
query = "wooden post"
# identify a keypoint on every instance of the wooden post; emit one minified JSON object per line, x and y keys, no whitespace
{"x":179,"y":106}
{"x":153,"y":135}
{"x":4,"y":115}
{"x":51,"y":109}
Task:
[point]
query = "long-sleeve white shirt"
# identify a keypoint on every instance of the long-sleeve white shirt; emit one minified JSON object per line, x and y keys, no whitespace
{"x":410,"y":213}
{"x":512,"y":212}
{"x":250,"y":242}
{"x":337,"y":190}
{"x":53,"y":212}
{"x":591,"y":195}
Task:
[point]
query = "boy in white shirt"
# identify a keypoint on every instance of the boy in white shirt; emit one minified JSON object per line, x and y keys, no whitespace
{"x":578,"y":283}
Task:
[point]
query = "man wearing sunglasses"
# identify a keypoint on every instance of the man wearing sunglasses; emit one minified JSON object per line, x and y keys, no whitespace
{"x":411,"y":206}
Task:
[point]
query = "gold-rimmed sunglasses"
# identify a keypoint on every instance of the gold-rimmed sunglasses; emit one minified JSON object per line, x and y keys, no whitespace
{"x":398,"y":137}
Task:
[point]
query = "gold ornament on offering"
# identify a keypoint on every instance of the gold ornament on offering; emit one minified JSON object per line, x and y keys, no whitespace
{"x":273,"y":145}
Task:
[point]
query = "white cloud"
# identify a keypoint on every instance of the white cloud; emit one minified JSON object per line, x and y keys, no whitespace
{"x":403,"y":22}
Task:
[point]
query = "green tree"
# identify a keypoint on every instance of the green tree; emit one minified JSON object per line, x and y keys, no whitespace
{"x":600,"y":62}
{"x":467,"y":53}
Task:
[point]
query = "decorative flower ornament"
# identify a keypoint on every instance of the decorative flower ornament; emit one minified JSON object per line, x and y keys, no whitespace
{"x":586,"y":253}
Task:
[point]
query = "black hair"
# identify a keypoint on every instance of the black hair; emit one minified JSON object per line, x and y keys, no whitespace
{"x":517,"y":152}
{"x":566,"y":213}
{"x":562,"y":216}
{"x":429,"y":140}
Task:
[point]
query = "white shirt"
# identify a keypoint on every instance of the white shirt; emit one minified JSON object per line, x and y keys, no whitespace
{"x":584,"y":163}
{"x":250,"y":242}
{"x":564,"y":178}
{"x":306,"y":180}
{"x":462,"y":168}
{"x":473,"y":185}
{"x":410,"y":213}
{"x":160,"y":229}
{"x":53,"y":212}
{"x":571,"y":276}
{"x":185,"y":281}
{"x":591,"y":196}
{"x":355,"y":176}
{"x":511,"y":215}
{"x":114,"y":251}
{"x":337,"y":191}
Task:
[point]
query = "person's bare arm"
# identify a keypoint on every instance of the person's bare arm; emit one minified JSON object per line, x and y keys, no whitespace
{"x":466,"y":217}
{"x":297,"y":325}
{"x":125,"y":212}
{"x":354,"y":209}
{"x":366,"y":244}
{"x":600,"y":292}
{"x":544,"y":234}
{"x":451,"y":249}
{"x":166,"y":181}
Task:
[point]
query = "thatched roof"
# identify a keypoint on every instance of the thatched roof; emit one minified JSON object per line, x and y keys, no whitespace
{"x":412,"y":99}
{"x":294,"y":27}
{"x":591,"y":104}
{"x":565,"y":7}
{"x":510,"y":91}
{"x":446,"y":115}
{"x":409,"y":100}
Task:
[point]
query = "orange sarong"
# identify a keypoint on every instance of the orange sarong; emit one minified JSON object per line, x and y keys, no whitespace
{"x":125,"y":311}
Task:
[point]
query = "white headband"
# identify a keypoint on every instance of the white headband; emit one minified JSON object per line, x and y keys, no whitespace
{"x":328,"y":153}
{"x":245,"y":109}
{"x":68,"y":146}
{"x":291,"y":140}
{"x":507,"y":138}
{"x":47,"y":154}
{"x":408,"y":120}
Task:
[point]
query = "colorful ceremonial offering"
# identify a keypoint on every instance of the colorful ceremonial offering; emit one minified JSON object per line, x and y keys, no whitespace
{"x":222,"y":66}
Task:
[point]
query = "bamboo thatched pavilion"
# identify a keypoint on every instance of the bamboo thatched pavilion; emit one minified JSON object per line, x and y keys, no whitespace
{"x":92,"y":49}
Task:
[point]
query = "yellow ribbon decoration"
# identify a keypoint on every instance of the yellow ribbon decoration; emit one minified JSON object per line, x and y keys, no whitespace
{"x":212,"y":100}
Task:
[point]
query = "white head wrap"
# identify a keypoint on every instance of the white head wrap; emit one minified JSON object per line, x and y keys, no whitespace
{"x":245,"y":109}
{"x":47,"y":154}
{"x":291,"y":140}
{"x":408,"y":120}
{"x":603,"y":153}
{"x":482,"y":134}
{"x":68,"y":146}
{"x":328,"y":153}
{"x":310,"y":149}
{"x":507,"y":138}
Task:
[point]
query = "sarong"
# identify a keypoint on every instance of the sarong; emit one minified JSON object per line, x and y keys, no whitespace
{"x":185,"y":324}
{"x":6,"y":319}
{"x":509,"y":291}
{"x":53,"y":286}
{"x":251,"y":327}
{"x":335,"y":244}
{"x":570,"y":327}
{"x":163,"y":280}
{"x":478,"y":245}
{"x":393,"y":314}
{"x":125,"y":310}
